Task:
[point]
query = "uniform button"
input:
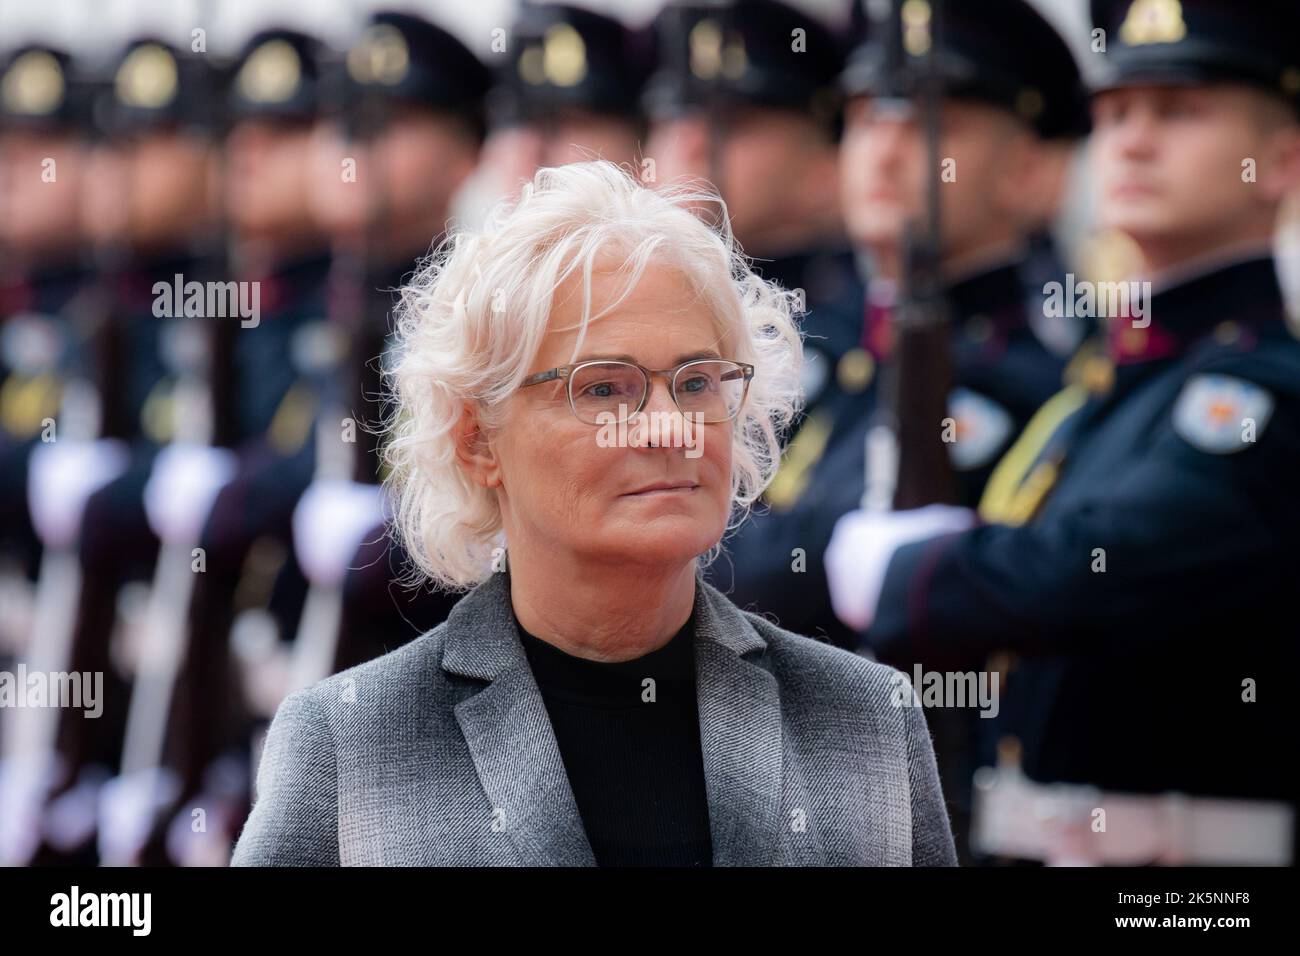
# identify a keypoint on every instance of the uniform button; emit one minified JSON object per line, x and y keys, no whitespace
{"x":1098,"y":375}
{"x":1133,"y":341}
{"x":1227,"y":333}
{"x":855,"y":370}
{"x":978,"y":328}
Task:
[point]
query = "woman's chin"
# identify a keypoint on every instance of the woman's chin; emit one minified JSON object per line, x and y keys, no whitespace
{"x":664,"y":540}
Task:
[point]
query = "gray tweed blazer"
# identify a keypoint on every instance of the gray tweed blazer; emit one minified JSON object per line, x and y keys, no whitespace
{"x":441,"y":753}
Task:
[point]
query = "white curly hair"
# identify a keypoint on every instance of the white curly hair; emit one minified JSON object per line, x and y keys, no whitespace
{"x":470,"y":324}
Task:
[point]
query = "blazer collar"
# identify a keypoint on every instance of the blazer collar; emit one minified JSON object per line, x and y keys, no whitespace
{"x":518,"y":761}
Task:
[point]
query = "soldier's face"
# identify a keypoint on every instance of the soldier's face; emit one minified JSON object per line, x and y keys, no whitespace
{"x":266,"y":186}
{"x":677,"y":151}
{"x":763,"y":154}
{"x":1174,"y":163}
{"x":40,"y":190}
{"x":169,"y":187}
{"x":753,"y":160}
{"x":105,"y":200}
{"x":580,"y":136}
{"x":420,"y":159}
{"x":679,"y":147}
{"x":338,"y":193}
{"x":885,"y":175}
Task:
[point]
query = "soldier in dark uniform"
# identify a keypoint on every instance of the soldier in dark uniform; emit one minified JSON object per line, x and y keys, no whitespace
{"x":153,"y":219}
{"x":44,"y":109}
{"x":745,"y":98}
{"x":565,"y":88}
{"x":568,"y":89}
{"x":282,"y":362}
{"x":574,"y":79}
{"x":1004,"y":364}
{"x":1135,"y":567}
{"x":45,"y":100}
{"x":414,"y":98}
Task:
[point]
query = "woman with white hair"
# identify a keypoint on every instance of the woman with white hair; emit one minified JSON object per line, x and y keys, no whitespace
{"x":589,"y":392}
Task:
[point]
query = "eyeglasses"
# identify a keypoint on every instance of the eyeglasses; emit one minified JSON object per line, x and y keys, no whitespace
{"x":610,"y":392}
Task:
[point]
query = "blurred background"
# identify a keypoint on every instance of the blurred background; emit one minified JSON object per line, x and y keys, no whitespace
{"x":206,"y":211}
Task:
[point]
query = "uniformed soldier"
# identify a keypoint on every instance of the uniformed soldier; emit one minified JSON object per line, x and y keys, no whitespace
{"x":44,"y":147}
{"x":156,"y":222}
{"x":566,"y":88}
{"x":415,"y":118}
{"x":1135,"y":559}
{"x":44,"y":109}
{"x":574,"y":79}
{"x":1009,"y":84}
{"x":745,"y":98}
{"x":283,"y":359}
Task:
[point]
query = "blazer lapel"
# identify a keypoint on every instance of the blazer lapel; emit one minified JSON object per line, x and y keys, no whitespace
{"x":509,"y":733}
{"x":740,"y":734}
{"x":510,"y":739}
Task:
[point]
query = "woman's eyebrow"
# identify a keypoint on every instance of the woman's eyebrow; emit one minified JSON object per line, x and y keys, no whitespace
{"x":690,"y":357}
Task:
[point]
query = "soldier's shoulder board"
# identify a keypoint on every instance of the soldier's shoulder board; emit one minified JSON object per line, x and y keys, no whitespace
{"x":1221,"y":414}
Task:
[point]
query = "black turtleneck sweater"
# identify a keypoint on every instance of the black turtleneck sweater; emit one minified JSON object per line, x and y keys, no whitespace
{"x":631,"y":749}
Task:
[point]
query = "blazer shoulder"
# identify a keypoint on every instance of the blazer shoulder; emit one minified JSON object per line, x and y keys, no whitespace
{"x":828,"y":670}
{"x":411,"y":668}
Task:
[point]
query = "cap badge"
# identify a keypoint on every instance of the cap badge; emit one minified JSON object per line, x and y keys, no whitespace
{"x":147,"y":77}
{"x":564,"y":56}
{"x":530,"y":65}
{"x":711,"y":57}
{"x":706,"y":49}
{"x":916,"y":16}
{"x":1153,"y":21}
{"x":381,"y":56}
{"x":271,"y":74}
{"x":33,"y":85}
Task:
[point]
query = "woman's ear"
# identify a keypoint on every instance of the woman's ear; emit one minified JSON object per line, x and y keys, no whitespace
{"x":475,"y":452}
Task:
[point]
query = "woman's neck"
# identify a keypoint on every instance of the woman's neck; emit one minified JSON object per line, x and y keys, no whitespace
{"x":600,"y":612}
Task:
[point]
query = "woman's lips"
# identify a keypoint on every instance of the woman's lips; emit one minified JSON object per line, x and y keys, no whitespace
{"x":661,"y":490}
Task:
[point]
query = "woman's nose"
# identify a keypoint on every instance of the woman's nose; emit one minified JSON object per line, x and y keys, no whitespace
{"x":660,"y":397}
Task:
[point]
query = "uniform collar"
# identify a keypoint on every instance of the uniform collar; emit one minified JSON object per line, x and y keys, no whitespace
{"x":134,"y":281}
{"x":997,"y":293}
{"x":793,"y":271}
{"x":1228,"y":299}
{"x":990,"y":304}
{"x":45,"y":289}
{"x":288,"y":280}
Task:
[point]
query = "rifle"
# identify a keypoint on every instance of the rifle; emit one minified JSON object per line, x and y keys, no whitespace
{"x":906,"y":466}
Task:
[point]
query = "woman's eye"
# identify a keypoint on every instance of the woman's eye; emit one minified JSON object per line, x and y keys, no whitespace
{"x":698,"y":383}
{"x":600,"y":390}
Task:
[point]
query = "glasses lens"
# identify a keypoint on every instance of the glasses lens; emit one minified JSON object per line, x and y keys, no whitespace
{"x":599,"y":389}
{"x":712,"y":390}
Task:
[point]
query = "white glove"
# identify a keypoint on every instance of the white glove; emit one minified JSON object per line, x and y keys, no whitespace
{"x":182,"y":487}
{"x":128,"y":806}
{"x":329,"y":524}
{"x":61,"y":478}
{"x":863,"y":544}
